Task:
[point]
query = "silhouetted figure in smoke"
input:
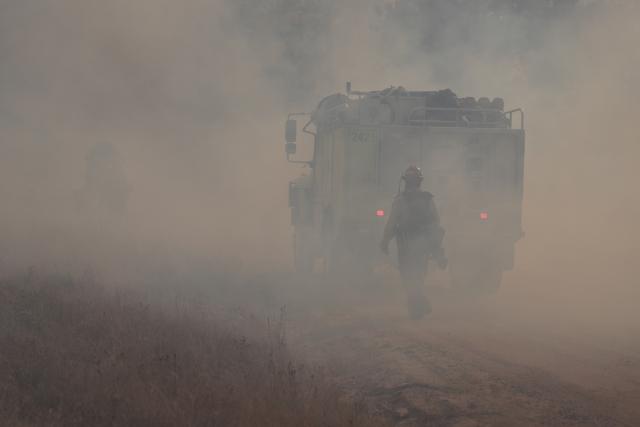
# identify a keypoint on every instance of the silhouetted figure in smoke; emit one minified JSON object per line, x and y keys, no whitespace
{"x":106,"y":188}
{"x":415,"y":224}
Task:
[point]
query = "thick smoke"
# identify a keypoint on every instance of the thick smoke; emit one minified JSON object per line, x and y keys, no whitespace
{"x":185,"y":104}
{"x":192,"y":95}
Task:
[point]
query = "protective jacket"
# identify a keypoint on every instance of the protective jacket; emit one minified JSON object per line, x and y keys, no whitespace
{"x":413,"y":215}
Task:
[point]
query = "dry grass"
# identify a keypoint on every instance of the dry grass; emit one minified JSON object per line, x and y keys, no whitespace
{"x":74,"y":355}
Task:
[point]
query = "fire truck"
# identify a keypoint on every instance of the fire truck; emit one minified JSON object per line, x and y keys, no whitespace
{"x":471,"y":152}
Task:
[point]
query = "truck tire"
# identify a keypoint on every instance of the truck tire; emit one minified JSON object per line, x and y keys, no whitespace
{"x":346,"y":261}
{"x":302,"y":253}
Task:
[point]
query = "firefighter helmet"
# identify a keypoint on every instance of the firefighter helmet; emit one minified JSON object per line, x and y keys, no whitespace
{"x":413,"y":175}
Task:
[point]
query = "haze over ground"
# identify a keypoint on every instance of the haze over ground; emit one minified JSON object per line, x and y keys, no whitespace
{"x":193,"y":96}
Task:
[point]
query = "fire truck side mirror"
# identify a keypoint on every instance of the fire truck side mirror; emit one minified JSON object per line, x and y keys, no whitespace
{"x":290,"y":148}
{"x":290,"y":131}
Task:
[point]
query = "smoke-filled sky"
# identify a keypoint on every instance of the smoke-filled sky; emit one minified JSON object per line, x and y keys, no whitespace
{"x":193,"y":96}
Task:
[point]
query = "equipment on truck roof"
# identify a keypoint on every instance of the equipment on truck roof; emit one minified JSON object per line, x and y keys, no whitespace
{"x":469,"y":150}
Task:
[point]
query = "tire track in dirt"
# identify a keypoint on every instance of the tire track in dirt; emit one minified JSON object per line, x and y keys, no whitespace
{"x":481,"y":388}
{"x":440,"y":373}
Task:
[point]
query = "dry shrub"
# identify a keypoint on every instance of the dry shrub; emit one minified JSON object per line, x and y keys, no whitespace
{"x":74,"y":354}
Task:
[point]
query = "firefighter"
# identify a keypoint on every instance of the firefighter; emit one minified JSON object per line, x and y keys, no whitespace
{"x":415,"y":224}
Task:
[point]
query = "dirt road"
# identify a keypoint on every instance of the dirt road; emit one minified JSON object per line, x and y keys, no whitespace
{"x":509,"y":360}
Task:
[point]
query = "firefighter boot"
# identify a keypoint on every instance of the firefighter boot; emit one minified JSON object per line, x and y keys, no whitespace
{"x":418,"y":305}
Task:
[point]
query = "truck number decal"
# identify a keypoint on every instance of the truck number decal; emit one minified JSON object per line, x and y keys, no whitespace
{"x":363,"y":135}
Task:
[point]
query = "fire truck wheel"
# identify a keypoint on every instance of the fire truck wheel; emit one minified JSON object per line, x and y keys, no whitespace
{"x":302,"y":253}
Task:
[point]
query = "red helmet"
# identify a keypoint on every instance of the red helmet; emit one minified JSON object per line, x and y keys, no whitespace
{"x":413,"y":175}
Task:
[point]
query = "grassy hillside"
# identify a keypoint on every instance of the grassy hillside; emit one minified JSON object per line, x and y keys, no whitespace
{"x":73,"y":354}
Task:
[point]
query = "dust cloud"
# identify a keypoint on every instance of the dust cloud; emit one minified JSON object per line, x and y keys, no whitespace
{"x":176,"y":93}
{"x":191,"y":96}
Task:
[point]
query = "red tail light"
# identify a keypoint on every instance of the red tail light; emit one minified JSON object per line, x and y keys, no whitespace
{"x":484,"y":216}
{"x":380,"y":213}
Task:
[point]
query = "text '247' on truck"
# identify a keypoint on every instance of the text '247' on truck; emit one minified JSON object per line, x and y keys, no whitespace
{"x":471,"y":152}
